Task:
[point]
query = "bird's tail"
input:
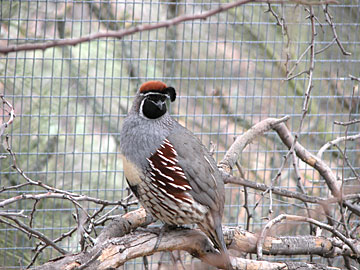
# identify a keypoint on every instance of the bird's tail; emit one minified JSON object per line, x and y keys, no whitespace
{"x":217,"y":238}
{"x":219,"y":243}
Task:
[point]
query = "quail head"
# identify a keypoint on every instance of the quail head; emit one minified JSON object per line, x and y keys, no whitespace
{"x":168,"y":169}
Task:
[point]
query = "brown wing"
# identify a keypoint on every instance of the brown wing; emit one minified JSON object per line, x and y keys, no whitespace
{"x":201,"y":169}
{"x":167,"y":175}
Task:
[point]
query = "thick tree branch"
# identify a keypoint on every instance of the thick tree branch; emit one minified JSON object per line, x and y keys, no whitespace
{"x":349,"y":242}
{"x":115,"y":249}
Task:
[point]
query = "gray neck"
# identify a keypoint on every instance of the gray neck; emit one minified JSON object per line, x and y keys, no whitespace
{"x":141,"y":137}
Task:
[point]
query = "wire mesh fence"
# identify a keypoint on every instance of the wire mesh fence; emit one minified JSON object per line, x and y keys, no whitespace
{"x":230,"y":71}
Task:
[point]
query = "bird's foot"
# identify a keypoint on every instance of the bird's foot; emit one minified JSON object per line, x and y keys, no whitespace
{"x":160,"y":232}
{"x":166,"y":228}
{"x":154,"y":230}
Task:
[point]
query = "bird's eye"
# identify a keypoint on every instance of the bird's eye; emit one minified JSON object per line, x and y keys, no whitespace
{"x":151,"y":98}
{"x":157,"y":98}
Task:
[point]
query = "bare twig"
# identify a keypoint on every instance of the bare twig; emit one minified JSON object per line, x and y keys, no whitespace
{"x":295,"y":65}
{"x":328,"y":19}
{"x":326,"y":47}
{"x":304,"y":108}
{"x":14,"y":187}
{"x":310,"y":72}
{"x":13,"y":214}
{"x":278,"y":191}
{"x":33,"y":212}
{"x":346,"y":161}
{"x":41,"y":246}
{"x":297,"y":75}
{"x":354,"y":78}
{"x":31,"y":232}
{"x":52,"y":193}
{"x":348,"y":123}
{"x":287,"y":193}
{"x":246,"y":206}
{"x":284,"y":29}
{"x":73,"y":197}
{"x":335,"y":142}
{"x":300,"y":185}
{"x":11,"y":115}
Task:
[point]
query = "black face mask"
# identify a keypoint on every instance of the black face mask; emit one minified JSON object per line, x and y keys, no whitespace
{"x":154,"y":105}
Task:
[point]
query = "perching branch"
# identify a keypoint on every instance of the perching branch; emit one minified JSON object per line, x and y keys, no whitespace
{"x":115,"y":249}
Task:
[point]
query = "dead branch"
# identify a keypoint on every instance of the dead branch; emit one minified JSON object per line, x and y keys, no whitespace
{"x":11,"y":115}
{"x":115,"y":249}
{"x":232,"y":155}
{"x":276,"y":190}
{"x":349,"y":242}
{"x":309,"y":158}
{"x":31,"y":232}
{"x":280,"y":20}
{"x":335,"y":142}
{"x":145,"y":27}
{"x":73,"y":197}
{"x":315,"y":162}
{"x":330,"y":22}
{"x":287,"y":193}
{"x":354,"y":78}
{"x":347,"y":123}
{"x":121,"y":227}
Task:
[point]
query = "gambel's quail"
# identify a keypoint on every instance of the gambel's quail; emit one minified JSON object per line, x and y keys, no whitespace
{"x":168,"y":169}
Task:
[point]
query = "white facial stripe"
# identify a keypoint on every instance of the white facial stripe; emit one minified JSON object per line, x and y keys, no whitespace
{"x":154,"y":93}
{"x":143,"y":101}
{"x":141,"y":109}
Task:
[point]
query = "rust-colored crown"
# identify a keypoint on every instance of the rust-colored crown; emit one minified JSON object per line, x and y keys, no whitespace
{"x":152,"y":85}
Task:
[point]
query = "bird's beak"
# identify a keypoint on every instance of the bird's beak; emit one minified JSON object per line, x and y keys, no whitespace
{"x":160,"y":104}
